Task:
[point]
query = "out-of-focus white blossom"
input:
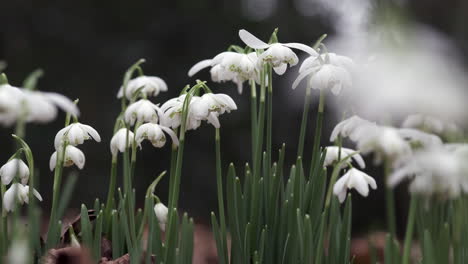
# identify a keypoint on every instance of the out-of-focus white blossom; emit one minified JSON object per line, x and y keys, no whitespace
{"x":12,"y":168}
{"x":356,"y":179}
{"x":73,"y":155}
{"x":351,"y":127}
{"x":333,"y":152}
{"x":230,"y":66}
{"x":148,"y":85}
{"x":17,"y":253}
{"x":314,"y":62}
{"x":430,"y":124}
{"x":155,"y":134}
{"x":17,"y":193}
{"x":279,"y":55}
{"x":142,"y":110}
{"x":161,"y":212}
{"x":75,"y":134}
{"x":119,"y":139}
{"x":434,"y":171}
{"x":326,"y":77}
{"x":40,"y":107}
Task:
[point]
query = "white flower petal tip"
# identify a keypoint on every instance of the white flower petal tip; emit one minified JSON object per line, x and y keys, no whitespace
{"x":73,"y":156}
{"x":75,"y":134}
{"x":154,"y":133}
{"x":356,"y":179}
{"x":198,"y":67}
{"x":120,"y":142}
{"x":333,"y":153}
{"x":12,"y":168}
{"x":146,"y":85}
{"x":252,"y":41}
{"x":161,"y":211}
{"x":17,"y":193}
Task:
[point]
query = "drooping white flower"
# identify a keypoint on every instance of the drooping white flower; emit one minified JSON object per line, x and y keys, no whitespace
{"x":142,"y":110}
{"x":155,"y":134}
{"x":334,"y":151}
{"x":12,"y":168}
{"x":119,"y":139}
{"x":351,"y":127}
{"x":73,"y":155}
{"x":149,"y":85}
{"x":430,"y":124}
{"x":356,"y":179}
{"x":75,"y":134}
{"x":279,"y":55}
{"x":172,"y":112}
{"x":329,"y":58}
{"x":327,"y":77}
{"x":33,"y":106}
{"x":161,"y":212}
{"x":383,"y":141}
{"x":230,"y":66}
{"x":210,"y":105}
{"x":436,"y":170}
{"x":17,"y":193}
{"x":416,"y":136}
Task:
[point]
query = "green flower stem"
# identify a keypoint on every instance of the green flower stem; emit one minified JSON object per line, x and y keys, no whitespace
{"x":110,"y":195}
{"x":219,"y":184}
{"x":409,"y":230}
{"x":51,"y":240}
{"x":318,"y":129}
{"x":269,"y":119}
{"x":390,"y":202}
{"x":305,"y":113}
{"x":4,"y":229}
{"x":253,"y":115}
{"x":333,"y":178}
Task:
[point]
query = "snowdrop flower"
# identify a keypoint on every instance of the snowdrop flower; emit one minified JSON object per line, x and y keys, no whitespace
{"x":17,"y":252}
{"x":42,"y":106}
{"x":351,"y":127}
{"x":279,"y":55}
{"x":11,"y":169}
{"x":142,"y":111}
{"x":433,"y":171}
{"x":334,"y":151}
{"x":326,"y":77}
{"x":9,"y":104}
{"x":172,"y":111}
{"x":383,"y":141}
{"x":161,"y":212}
{"x":73,"y":155}
{"x":210,"y":105}
{"x":430,"y":124}
{"x":154,"y":133}
{"x":17,"y":192}
{"x":230,"y":66}
{"x":75,"y":134}
{"x":416,"y":136}
{"x":356,"y":179}
{"x":149,"y":85}
{"x":119,"y":139}
{"x":328,"y":58}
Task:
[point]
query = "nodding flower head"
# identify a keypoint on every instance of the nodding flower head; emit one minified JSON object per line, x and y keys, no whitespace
{"x":120,"y":141}
{"x":32,"y":106}
{"x":17,"y":193}
{"x":356,"y":179}
{"x":230,"y":66}
{"x":155,"y":134}
{"x":75,"y":134}
{"x":142,"y":111}
{"x":161,"y":211}
{"x":73,"y":156}
{"x":279,"y":55}
{"x":12,"y":168}
{"x":333,"y":152}
{"x":148,"y":86}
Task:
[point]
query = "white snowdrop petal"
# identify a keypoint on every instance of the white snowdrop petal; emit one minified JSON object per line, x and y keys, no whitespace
{"x":252,"y":41}
{"x":53,"y":161}
{"x":76,"y":155}
{"x":92,"y":132}
{"x":302,"y":47}
{"x":301,"y":77}
{"x":171,"y":133}
{"x":63,"y":102}
{"x":280,"y":70}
